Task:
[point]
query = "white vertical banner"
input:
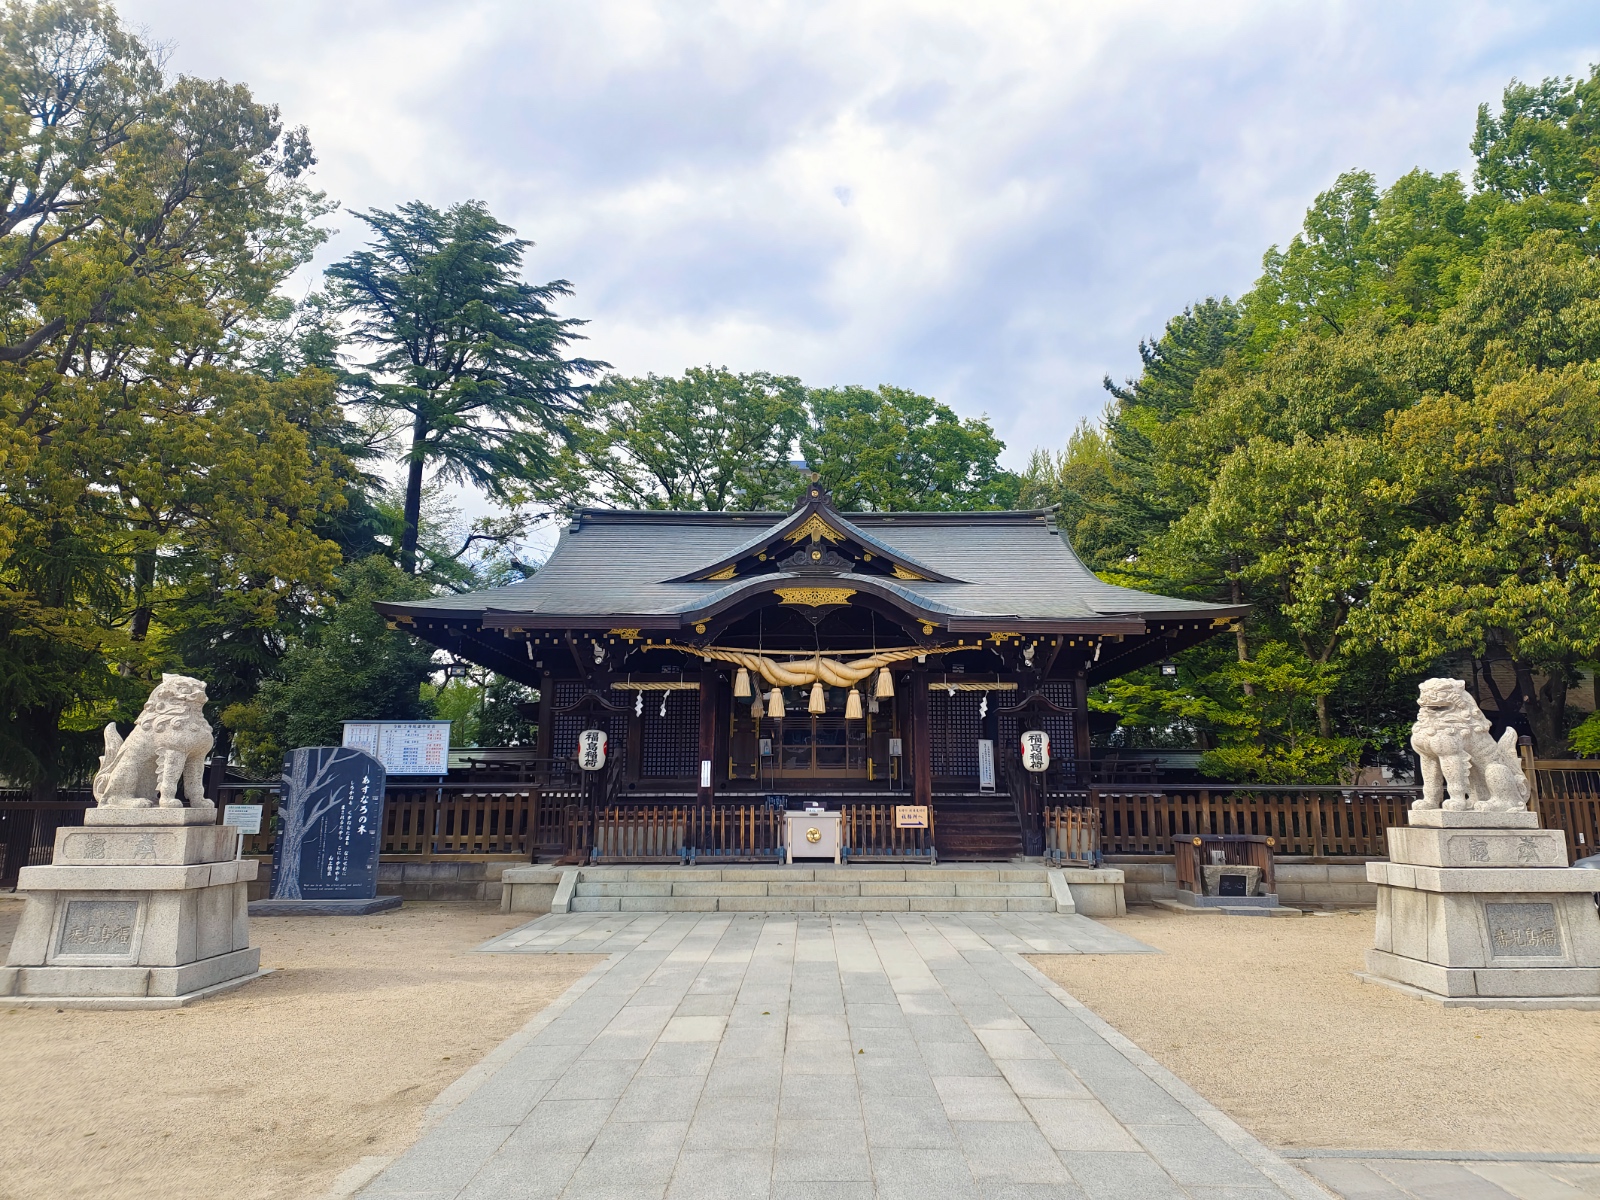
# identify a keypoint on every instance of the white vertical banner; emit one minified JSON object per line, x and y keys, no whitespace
{"x":985,"y":765}
{"x":705,"y":772}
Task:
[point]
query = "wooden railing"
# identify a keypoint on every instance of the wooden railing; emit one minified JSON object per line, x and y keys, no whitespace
{"x":648,"y":834}
{"x":868,"y":832}
{"x":1319,"y":822}
{"x":737,"y":833}
{"x":1072,"y":835}
{"x":425,"y":821}
{"x":28,"y":828}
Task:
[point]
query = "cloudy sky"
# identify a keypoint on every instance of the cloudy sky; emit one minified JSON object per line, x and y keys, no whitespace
{"x":987,"y":202}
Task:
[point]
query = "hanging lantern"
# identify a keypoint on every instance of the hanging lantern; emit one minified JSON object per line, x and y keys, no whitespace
{"x":755,"y":707}
{"x":819,"y":702}
{"x":852,"y":706}
{"x":885,"y":689}
{"x":741,"y":683}
{"x":775,"y":704}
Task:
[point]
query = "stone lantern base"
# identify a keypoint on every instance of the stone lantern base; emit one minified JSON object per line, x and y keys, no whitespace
{"x":142,"y":908}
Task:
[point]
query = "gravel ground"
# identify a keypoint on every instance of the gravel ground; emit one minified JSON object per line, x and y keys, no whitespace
{"x":1266,"y":1020}
{"x":272,"y":1090}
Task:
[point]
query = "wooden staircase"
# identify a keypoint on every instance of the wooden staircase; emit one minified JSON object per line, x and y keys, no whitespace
{"x":975,"y":827}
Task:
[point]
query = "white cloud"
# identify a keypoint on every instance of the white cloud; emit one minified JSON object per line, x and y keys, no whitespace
{"x":990,"y":203}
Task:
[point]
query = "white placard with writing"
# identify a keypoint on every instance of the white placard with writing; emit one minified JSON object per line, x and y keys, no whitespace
{"x":246,"y":818}
{"x":705,"y":772}
{"x":403,"y":747}
{"x":985,"y":765}
{"x":1036,"y":751}
{"x":592,"y":749}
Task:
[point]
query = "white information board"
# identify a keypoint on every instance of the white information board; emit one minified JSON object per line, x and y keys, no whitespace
{"x":985,"y":765}
{"x":246,"y":818}
{"x":403,"y":747}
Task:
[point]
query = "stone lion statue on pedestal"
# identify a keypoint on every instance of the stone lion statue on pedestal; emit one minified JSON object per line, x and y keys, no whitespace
{"x":169,"y":744}
{"x":1452,"y":739}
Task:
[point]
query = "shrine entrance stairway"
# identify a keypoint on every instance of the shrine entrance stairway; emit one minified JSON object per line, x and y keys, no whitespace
{"x":975,"y":827}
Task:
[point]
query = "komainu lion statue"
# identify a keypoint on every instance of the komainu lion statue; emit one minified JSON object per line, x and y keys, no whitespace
{"x":1451,"y":737}
{"x":169,"y":743}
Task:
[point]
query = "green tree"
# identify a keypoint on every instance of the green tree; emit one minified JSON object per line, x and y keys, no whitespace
{"x":893,"y":450}
{"x":463,"y":350}
{"x":348,"y":665}
{"x":711,"y":439}
{"x":1542,"y":154}
{"x":1503,"y":552}
{"x":145,"y":223}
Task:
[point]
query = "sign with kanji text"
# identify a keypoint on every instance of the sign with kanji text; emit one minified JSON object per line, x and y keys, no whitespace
{"x":910,"y":816}
{"x":1036,"y":751}
{"x":246,"y":818}
{"x":592,"y":749}
{"x":403,"y":747}
{"x":330,"y":810}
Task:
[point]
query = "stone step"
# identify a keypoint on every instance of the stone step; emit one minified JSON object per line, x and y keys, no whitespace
{"x":817,"y":904}
{"x":941,"y":887}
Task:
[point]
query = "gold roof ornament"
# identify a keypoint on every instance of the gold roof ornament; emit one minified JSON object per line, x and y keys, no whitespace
{"x":727,"y":572}
{"x":903,"y":573}
{"x":815,"y":597}
{"x":815,"y":528}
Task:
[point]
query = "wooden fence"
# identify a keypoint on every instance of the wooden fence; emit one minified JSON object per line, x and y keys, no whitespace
{"x":1567,"y":796}
{"x":1318,"y":822}
{"x":28,"y":828}
{"x":867,"y":832}
{"x":422,"y":822}
{"x":1072,"y":835}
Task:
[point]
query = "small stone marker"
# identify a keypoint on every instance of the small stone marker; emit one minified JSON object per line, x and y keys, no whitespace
{"x":325,"y":857}
{"x":1231,"y":884}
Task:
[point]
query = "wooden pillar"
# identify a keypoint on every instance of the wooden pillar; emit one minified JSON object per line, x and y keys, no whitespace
{"x":1080,"y":724}
{"x":921,"y":739}
{"x":708,"y":736}
{"x":544,"y":736}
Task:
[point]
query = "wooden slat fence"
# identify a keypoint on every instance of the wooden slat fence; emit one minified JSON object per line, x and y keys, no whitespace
{"x":1318,"y":822}
{"x":28,"y":829}
{"x":737,"y":833}
{"x":867,"y":832}
{"x":1072,"y":835}
{"x":1567,"y":796}
{"x":641,"y":834}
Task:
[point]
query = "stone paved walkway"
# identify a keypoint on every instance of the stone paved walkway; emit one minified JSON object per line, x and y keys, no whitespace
{"x":844,"y":1057}
{"x":1402,"y":1175}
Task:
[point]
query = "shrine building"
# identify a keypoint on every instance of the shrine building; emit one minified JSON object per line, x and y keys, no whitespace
{"x":731,"y":656}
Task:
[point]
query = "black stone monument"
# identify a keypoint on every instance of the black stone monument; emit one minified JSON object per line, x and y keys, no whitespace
{"x":329,"y":827}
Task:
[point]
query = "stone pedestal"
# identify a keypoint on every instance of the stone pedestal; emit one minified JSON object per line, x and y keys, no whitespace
{"x":142,"y":908}
{"x":1480,"y":909}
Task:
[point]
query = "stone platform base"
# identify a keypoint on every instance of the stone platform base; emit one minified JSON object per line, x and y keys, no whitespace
{"x":1224,"y":910}
{"x":1194,"y":900}
{"x":323,"y":908}
{"x":1527,"y":1003}
{"x":120,"y":1003}
{"x":1485,"y":982}
{"x":128,"y":982}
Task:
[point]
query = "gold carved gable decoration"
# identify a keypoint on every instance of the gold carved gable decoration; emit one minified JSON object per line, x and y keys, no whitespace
{"x":814,"y":528}
{"x":902,"y":573}
{"x":725,"y":573}
{"x":815,"y":597}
